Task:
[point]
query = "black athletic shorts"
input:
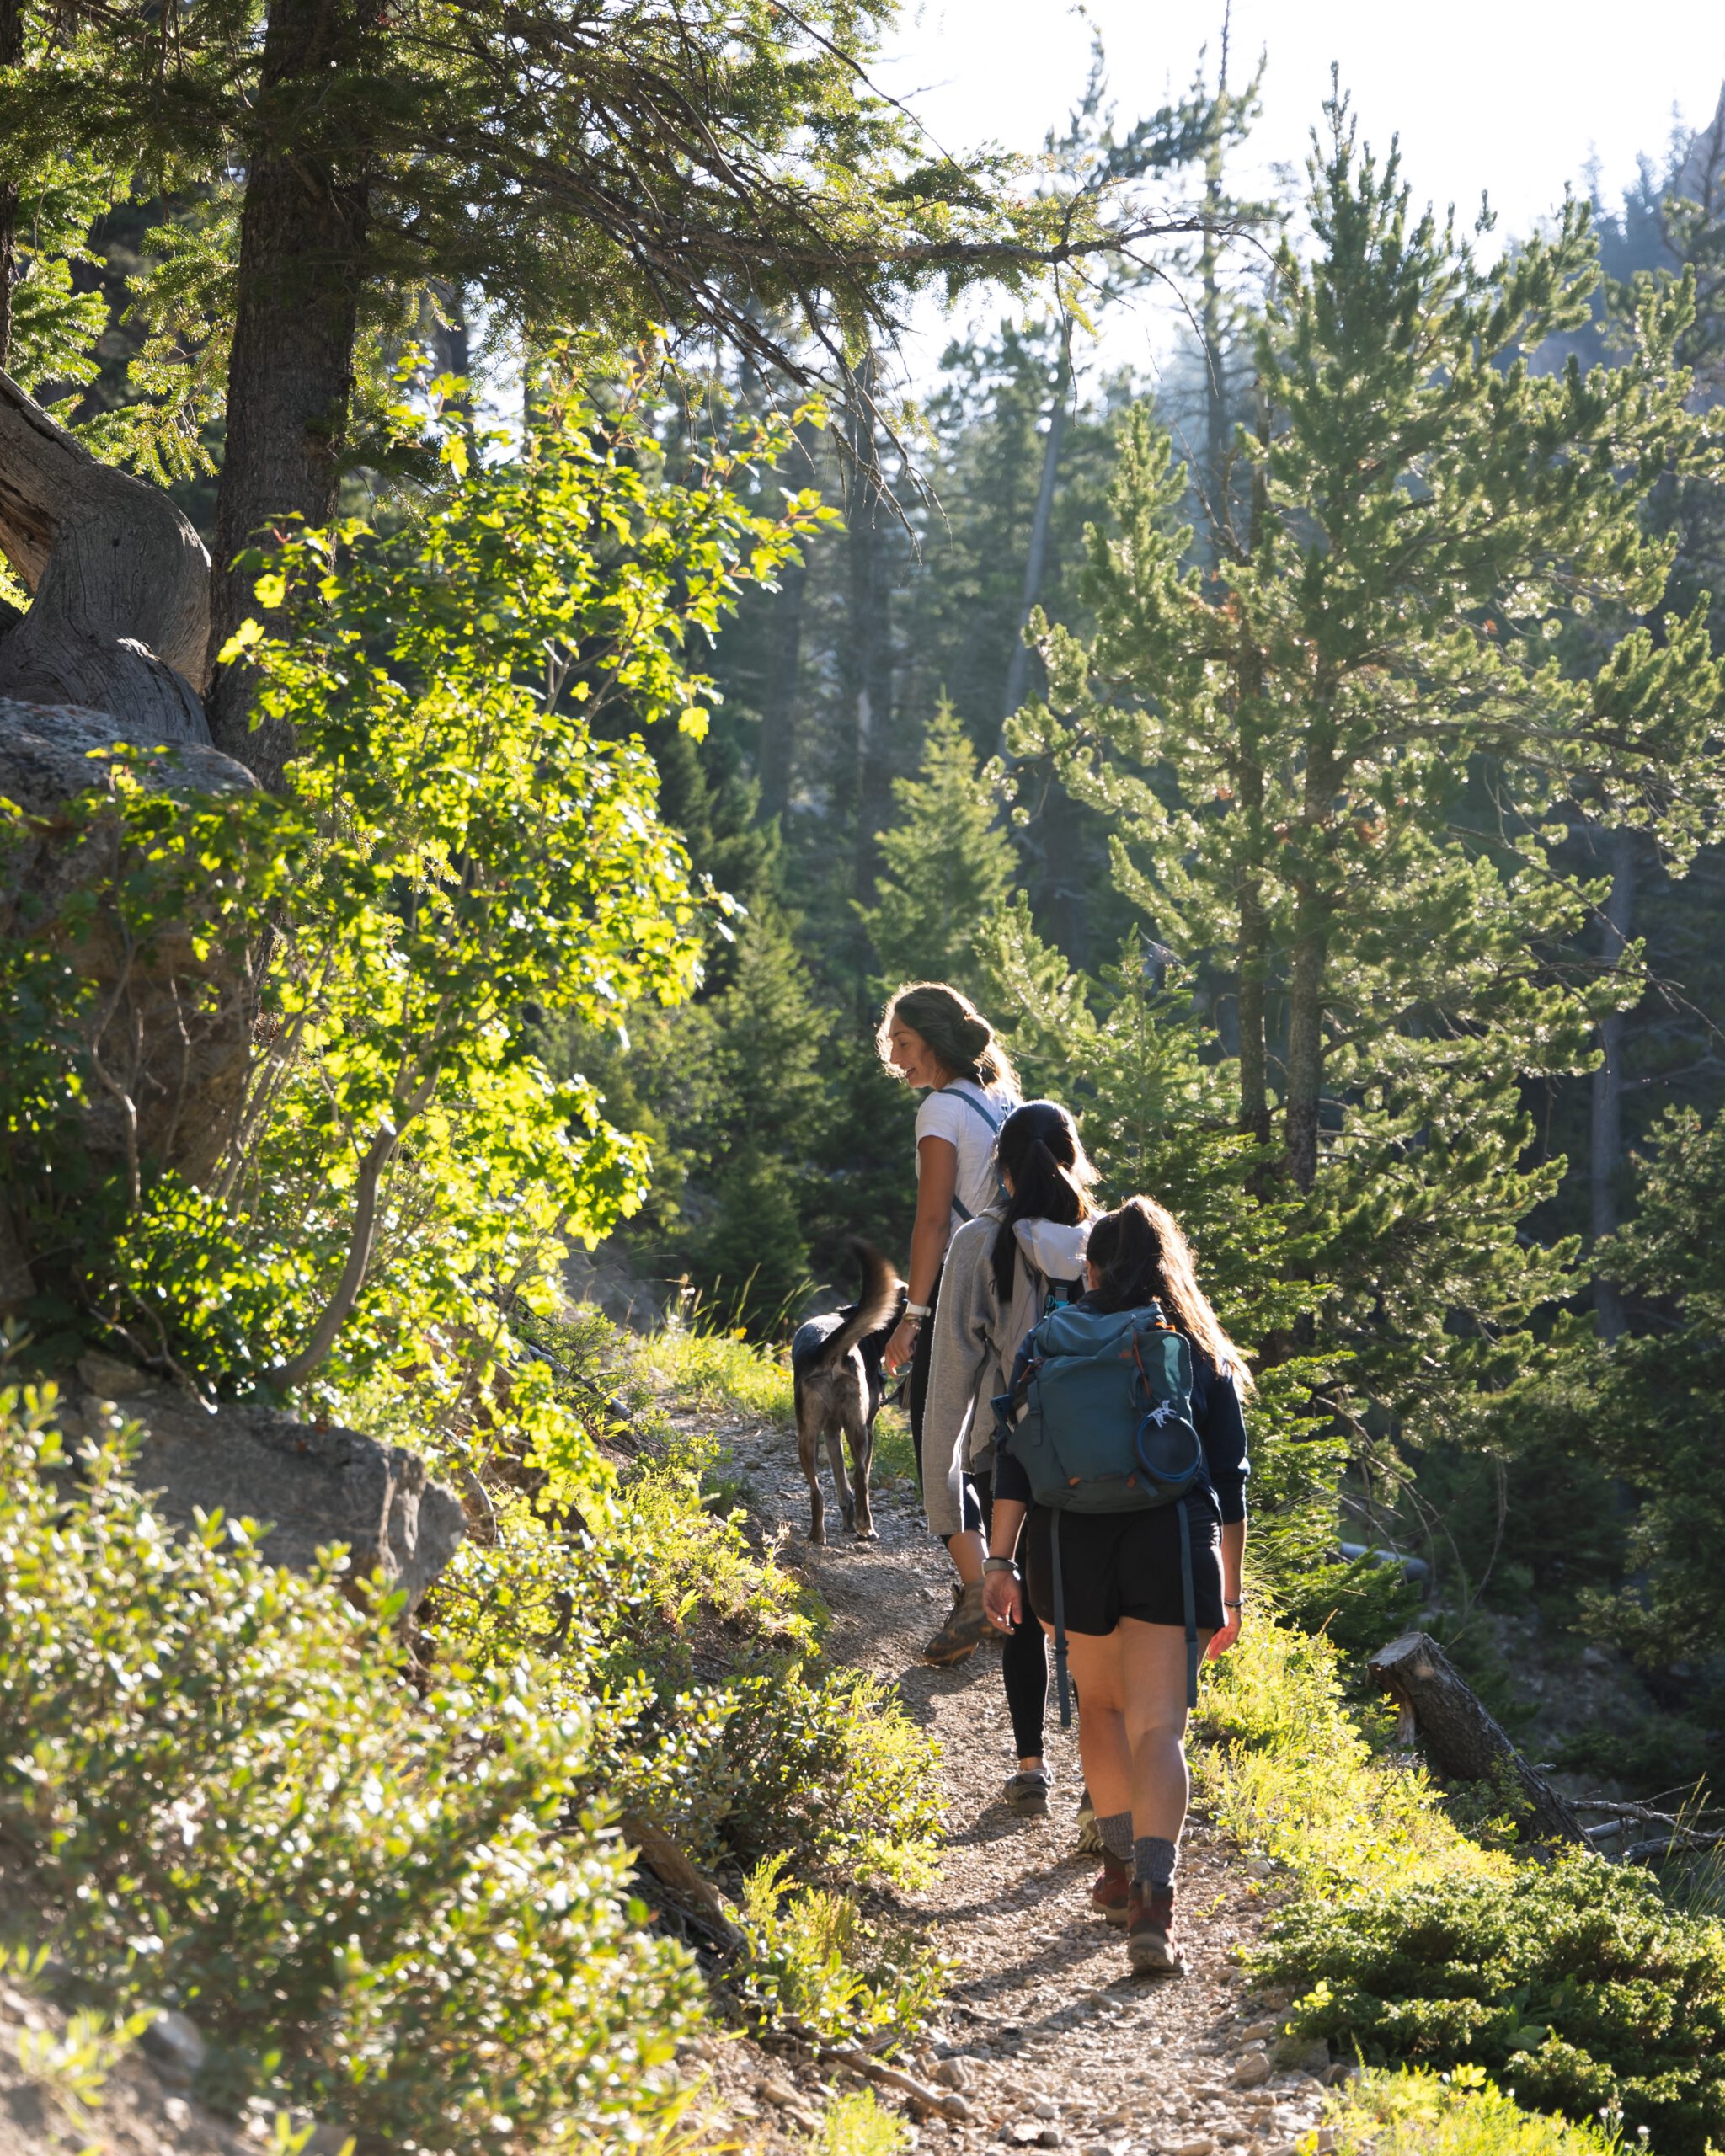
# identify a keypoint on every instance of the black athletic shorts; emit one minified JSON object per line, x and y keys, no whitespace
{"x":1116,"y":1565}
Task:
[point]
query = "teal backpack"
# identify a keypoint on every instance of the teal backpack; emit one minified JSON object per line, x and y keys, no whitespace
{"x":1099,"y":1417}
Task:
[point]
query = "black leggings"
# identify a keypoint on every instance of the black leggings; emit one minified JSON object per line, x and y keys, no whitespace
{"x":1024,"y":1652}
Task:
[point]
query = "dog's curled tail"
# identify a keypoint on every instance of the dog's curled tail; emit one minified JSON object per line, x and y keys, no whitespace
{"x":877,"y":1306}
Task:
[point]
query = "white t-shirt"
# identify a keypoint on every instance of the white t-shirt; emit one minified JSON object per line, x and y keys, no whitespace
{"x":955,"y":1113}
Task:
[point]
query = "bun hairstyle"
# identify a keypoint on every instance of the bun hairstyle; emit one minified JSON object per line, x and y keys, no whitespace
{"x":961,"y":1037}
{"x":1039,"y":1147}
{"x":1141,"y":1252}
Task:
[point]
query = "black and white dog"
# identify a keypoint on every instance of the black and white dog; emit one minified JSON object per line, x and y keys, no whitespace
{"x":835,"y":1370}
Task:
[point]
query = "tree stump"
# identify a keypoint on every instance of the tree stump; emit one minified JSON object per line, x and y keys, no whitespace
{"x":1461,"y":1739}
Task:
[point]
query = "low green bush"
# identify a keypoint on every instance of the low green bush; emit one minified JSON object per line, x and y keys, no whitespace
{"x":386,"y":1907}
{"x":815,"y":1956}
{"x":696,"y":1658}
{"x":1420,"y":2113}
{"x":860,"y":2124}
{"x":1576,"y":1985}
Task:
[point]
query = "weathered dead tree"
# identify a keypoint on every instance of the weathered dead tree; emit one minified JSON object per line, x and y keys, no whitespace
{"x":119,"y":621}
{"x":1460,"y":1738}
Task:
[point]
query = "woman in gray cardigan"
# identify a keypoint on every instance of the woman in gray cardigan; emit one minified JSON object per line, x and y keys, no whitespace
{"x":1000,"y":1269}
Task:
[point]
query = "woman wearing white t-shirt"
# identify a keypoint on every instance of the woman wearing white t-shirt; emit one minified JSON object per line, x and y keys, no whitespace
{"x":933,"y":1037}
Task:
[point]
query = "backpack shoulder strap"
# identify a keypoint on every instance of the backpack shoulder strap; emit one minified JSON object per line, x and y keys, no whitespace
{"x":976,"y":1106}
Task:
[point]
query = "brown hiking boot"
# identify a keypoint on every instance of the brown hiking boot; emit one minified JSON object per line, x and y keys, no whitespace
{"x":962,"y":1632}
{"x":1150,"y":1946}
{"x":1112,"y":1890}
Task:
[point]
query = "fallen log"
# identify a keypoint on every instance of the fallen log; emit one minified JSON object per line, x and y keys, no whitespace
{"x":938,"y":2103}
{"x":1461,"y":1738}
{"x":696,"y":1894}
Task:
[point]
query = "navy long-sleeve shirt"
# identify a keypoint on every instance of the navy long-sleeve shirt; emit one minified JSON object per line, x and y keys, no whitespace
{"x":1221,"y":1424}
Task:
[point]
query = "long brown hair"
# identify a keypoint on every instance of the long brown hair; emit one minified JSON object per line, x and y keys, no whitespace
{"x":1142,"y":1255}
{"x":962,"y":1038}
{"x":1040,"y":1148}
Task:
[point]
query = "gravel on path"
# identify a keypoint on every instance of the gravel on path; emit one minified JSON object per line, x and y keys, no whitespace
{"x":1049,"y":2039}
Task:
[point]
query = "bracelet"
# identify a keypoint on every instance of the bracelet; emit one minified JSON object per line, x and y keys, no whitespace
{"x":1226,"y":1604}
{"x":917,"y":1309}
{"x":1001,"y":1565}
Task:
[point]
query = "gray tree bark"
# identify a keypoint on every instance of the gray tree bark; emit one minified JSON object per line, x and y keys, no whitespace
{"x":1461,"y":1739}
{"x":868,"y":653}
{"x":1036,"y":555}
{"x":1605,"y":1149}
{"x":119,"y":615}
{"x":291,"y":373}
{"x":11,"y":52}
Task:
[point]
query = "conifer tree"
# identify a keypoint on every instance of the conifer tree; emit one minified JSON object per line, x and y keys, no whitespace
{"x":1336,"y":764}
{"x":945,"y":865}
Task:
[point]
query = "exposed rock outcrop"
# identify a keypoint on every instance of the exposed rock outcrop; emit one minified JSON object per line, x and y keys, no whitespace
{"x":119,"y":615}
{"x":310,"y":1485}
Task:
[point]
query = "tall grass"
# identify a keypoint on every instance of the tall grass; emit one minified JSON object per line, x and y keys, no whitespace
{"x":1290,"y":1772}
{"x":719,"y":1372}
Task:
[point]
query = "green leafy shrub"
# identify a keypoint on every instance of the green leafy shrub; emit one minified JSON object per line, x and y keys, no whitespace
{"x":860,"y":2124}
{"x":1578,"y":1985}
{"x":1460,"y":2114}
{"x":697,"y":1659}
{"x":384,"y":1906}
{"x":473,"y":846}
{"x":814,"y":1955}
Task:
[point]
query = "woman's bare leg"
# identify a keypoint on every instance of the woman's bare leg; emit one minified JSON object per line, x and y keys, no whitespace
{"x":1152,"y":1679}
{"x":1103,"y":1745}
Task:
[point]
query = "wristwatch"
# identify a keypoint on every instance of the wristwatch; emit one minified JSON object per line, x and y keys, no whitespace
{"x":1001,"y":1565}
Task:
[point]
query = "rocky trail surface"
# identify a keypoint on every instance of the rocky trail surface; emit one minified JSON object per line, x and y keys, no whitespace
{"x":1047,"y":2039}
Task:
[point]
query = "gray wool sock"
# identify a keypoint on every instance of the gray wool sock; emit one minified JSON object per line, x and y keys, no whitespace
{"x":1117,"y":1836}
{"x":1153,"y":1860}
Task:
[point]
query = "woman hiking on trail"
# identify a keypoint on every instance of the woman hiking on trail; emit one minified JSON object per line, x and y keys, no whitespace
{"x":999,"y":1268}
{"x":1122,"y":1594}
{"x":936,"y":1039}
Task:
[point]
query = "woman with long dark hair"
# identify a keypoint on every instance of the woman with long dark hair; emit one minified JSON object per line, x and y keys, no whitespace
{"x":937,"y":1041}
{"x":1000,"y":1269}
{"x":1124,"y":1604}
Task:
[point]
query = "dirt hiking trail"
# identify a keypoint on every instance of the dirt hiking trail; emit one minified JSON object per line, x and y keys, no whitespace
{"x":1049,"y":2039}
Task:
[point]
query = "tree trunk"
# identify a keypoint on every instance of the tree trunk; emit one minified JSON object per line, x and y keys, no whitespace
{"x":290,"y":374}
{"x":1311,"y":945}
{"x":869,"y":651}
{"x":1605,"y":1152}
{"x":1461,"y":1740}
{"x":784,"y":660}
{"x":1305,"y":1033}
{"x":1036,"y":556}
{"x":11,"y":52}
{"x":119,"y":616}
{"x":778,"y":707}
{"x":1215,"y":387}
{"x":1253,"y":955}
{"x":1254,"y":949}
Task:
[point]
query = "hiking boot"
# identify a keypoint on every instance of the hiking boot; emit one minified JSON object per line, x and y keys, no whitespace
{"x":1089,"y":1835}
{"x":1112,"y":1890}
{"x":1151,"y":1946}
{"x":962,"y":1632}
{"x":1026,"y":1792}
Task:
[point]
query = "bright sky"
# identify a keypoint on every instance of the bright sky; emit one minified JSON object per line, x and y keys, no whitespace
{"x":1513,"y":96}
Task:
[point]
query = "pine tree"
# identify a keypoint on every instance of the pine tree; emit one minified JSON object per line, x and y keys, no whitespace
{"x":1155,"y":1103}
{"x":945,"y":865}
{"x":1336,"y":764}
{"x":765,"y":1091}
{"x":1655,"y":1418}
